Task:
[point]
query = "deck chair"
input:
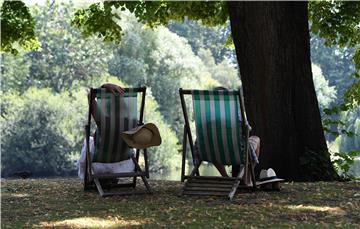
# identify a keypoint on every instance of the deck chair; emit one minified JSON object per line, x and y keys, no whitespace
{"x":221,"y":138}
{"x":115,"y":113}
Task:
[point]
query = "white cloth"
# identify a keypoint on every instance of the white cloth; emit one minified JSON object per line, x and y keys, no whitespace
{"x":98,"y":168}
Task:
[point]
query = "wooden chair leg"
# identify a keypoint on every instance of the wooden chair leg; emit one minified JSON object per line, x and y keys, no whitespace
{"x":146,"y":184}
{"x":183,"y":161}
{"x":137,"y":167}
{"x":99,"y":187}
{"x":253,"y":179}
{"x":146,"y":163}
{"x":137,"y":159}
{"x":236,"y":183}
{"x":195,"y":170}
{"x":143,"y":177}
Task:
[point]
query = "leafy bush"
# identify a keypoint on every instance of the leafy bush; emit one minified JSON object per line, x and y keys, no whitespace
{"x":343,"y":162}
{"x":39,"y":132}
{"x":166,"y":156}
{"x":325,"y":93}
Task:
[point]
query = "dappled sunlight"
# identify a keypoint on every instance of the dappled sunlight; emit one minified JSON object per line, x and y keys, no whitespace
{"x":20,"y":195}
{"x":326,"y":209}
{"x":93,"y":222}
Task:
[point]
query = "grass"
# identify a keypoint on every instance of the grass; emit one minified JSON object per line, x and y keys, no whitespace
{"x":49,"y":203}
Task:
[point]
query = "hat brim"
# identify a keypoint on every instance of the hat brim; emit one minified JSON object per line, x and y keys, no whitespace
{"x":269,"y":181}
{"x":155,"y":140}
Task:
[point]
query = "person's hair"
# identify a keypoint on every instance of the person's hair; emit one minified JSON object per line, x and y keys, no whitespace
{"x":220,"y":88}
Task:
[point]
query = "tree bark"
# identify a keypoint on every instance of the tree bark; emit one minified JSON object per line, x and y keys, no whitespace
{"x":273,"y":50}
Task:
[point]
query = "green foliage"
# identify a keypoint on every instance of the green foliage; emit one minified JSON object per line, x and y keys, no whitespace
{"x":352,"y":141}
{"x":224,"y":72}
{"x":65,"y":59}
{"x":166,"y":157}
{"x":17,"y":27}
{"x":324,"y":93}
{"x":343,"y":162}
{"x":352,"y":95}
{"x":100,"y":18}
{"x":338,"y":22}
{"x":336,"y":65}
{"x":15,"y":72}
{"x":340,"y":123}
{"x":201,"y":37}
{"x":347,"y":142}
{"x":339,"y":117}
{"x":39,"y":132}
{"x":329,"y":123}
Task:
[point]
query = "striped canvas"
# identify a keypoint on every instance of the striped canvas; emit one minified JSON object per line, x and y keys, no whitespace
{"x":116,"y":113}
{"x":218,"y":127}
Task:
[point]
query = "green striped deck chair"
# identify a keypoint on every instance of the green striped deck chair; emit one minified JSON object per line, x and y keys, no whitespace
{"x":222,"y":136}
{"x":115,"y":113}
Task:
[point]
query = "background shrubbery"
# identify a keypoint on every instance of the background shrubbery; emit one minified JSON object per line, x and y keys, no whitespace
{"x":41,"y":132}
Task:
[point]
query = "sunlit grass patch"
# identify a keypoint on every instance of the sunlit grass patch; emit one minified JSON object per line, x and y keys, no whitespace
{"x":327,"y":209}
{"x":93,"y":222}
{"x":20,"y":195}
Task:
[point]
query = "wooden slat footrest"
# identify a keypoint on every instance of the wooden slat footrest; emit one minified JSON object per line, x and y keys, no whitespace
{"x":202,"y":193}
{"x":123,"y":193}
{"x":210,"y":182}
{"x":210,"y":178}
{"x":207,"y":185}
{"x":212,"y":189}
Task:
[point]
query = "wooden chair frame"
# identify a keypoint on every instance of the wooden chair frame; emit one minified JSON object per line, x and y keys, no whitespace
{"x":91,"y":178}
{"x":194,"y":183}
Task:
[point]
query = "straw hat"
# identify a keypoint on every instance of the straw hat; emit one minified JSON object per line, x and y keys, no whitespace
{"x":143,"y":136}
{"x":268,"y":176}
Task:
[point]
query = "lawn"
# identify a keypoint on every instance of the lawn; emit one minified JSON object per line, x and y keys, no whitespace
{"x":62,"y":203}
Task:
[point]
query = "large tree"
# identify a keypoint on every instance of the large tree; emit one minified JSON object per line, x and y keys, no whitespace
{"x":272,"y":47}
{"x":273,"y":50}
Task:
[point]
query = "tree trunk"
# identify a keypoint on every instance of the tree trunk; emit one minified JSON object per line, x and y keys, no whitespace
{"x":273,"y":50}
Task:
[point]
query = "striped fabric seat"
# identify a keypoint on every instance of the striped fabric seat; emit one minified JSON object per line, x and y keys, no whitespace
{"x":115,"y":113}
{"x":218,"y":126}
{"x":221,"y":138}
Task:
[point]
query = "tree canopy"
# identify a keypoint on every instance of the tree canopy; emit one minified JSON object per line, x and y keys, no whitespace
{"x":17,"y":27}
{"x":336,"y":21}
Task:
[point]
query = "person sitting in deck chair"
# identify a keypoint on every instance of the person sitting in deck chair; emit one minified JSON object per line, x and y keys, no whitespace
{"x":120,"y":167}
{"x":254,"y":144}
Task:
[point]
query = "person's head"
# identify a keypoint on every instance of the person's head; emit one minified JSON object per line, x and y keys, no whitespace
{"x":220,"y":88}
